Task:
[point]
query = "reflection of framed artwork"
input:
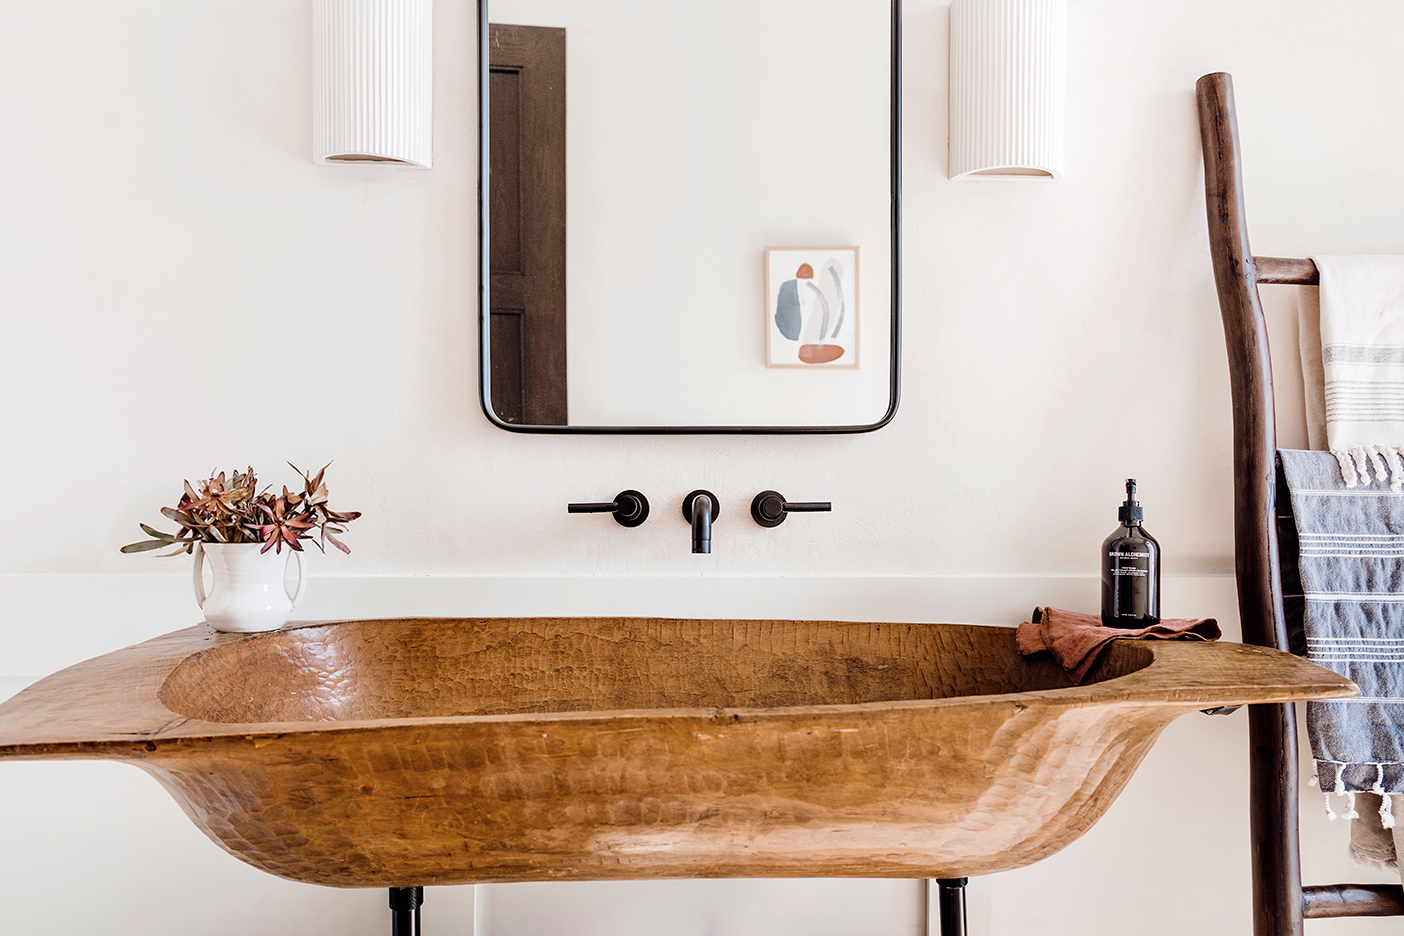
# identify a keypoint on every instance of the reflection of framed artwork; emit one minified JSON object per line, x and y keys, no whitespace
{"x":811,"y":303}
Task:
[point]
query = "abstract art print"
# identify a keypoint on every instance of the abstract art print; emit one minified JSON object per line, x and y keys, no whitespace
{"x":811,"y":307}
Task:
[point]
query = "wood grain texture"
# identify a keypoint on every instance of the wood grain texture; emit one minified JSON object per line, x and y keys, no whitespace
{"x":1327,"y":901}
{"x":1286,"y":270}
{"x":1272,"y":733}
{"x":438,"y":751}
{"x":527,"y":217}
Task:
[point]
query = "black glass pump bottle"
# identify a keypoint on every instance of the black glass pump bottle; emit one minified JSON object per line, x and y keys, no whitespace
{"x":1130,"y":570}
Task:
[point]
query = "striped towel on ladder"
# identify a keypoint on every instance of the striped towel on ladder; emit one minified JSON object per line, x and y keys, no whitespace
{"x":1351,"y":332}
{"x":1351,"y":565}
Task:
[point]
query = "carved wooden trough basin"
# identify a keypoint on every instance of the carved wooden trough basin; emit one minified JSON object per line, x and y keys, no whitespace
{"x":443,"y":751}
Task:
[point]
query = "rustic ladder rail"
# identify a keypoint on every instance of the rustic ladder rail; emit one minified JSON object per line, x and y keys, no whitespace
{"x":1280,"y":902}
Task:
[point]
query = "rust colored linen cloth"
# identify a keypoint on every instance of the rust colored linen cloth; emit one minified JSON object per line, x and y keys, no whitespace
{"x":1076,"y":640}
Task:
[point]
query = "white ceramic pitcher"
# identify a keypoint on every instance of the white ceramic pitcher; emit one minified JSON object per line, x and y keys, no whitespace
{"x":249,"y":594}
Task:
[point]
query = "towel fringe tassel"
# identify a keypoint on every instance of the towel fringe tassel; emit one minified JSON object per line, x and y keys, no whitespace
{"x":1377,"y":460}
{"x":1386,"y":810}
{"x":1396,"y":463}
{"x":1357,"y":462}
{"x":1347,"y":466}
{"x":1362,"y":463}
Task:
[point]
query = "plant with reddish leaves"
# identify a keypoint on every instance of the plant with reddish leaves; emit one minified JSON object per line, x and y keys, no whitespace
{"x":230,"y":509}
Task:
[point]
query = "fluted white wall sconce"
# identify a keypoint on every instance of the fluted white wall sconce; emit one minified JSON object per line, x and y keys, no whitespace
{"x":373,"y":81}
{"x":1008,"y":75}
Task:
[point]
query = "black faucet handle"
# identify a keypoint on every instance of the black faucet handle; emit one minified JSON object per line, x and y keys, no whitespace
{"x":769,"y":508}
{"x":630,"y":508}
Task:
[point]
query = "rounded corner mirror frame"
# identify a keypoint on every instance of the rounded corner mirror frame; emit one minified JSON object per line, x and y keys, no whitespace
{"x":484,"y":279}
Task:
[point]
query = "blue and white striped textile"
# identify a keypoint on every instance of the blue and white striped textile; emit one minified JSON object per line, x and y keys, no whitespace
{"x":1352,"y":577}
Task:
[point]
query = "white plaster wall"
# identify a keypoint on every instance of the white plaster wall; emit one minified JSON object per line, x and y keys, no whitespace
{"x":181,"y":288}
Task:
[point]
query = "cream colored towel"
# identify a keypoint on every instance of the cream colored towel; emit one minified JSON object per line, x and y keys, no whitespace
{"x":1370,"y":842}
{"x":1313,"y":373}
{"x":1353,"y":329}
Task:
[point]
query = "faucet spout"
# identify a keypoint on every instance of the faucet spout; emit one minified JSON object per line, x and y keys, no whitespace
{"x":702,"y":524}
{"x":700,"y":508}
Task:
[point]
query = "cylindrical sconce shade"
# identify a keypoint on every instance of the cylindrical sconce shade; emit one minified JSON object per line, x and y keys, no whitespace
{"x":1008,"y":75}
{"x":373,"y":81}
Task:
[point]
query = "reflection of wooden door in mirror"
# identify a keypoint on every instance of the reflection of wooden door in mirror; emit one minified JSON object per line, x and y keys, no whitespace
{"x":527,"y":238}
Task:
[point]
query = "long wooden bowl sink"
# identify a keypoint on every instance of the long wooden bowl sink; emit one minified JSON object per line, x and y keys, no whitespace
{"x":446,"y":751}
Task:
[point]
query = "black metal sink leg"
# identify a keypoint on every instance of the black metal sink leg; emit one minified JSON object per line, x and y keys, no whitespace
{"x":404,"y":910}
{"x":950,"y":895}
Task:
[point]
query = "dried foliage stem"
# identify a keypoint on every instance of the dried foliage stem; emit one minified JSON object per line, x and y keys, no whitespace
{"x":230,"y":509}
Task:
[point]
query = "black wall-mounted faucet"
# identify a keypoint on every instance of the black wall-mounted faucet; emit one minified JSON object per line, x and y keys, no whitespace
{"x":700,"y":508}
{"x":630,"y":508}
{"x":769,"y":508}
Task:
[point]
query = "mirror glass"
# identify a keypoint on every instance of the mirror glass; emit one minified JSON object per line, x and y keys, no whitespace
{"x":689,"y":215}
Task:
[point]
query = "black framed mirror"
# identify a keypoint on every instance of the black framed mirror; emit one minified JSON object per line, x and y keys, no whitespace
{"x":689,"y":215}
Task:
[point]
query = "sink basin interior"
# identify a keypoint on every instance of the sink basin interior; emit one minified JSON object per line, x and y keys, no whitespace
{"x":389,"y":753}
{"x":434,"y":668}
